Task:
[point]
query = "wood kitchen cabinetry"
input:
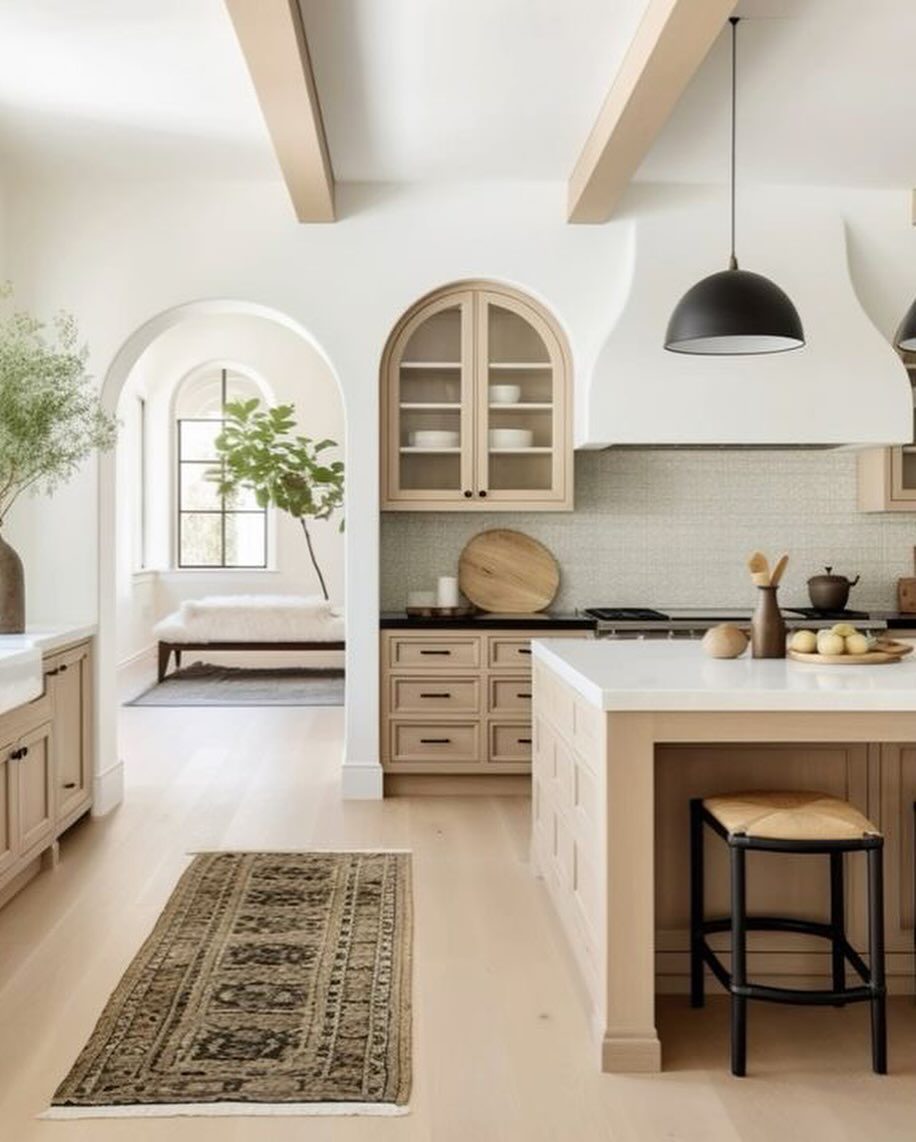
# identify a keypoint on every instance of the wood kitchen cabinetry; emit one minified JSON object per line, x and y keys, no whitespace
{"x":887,"y":476}
{"x":45,"y":765}
{"x":444,"y":443}
{"x":570,"y":843}
{"x":457,"y":703}
{"x":68,"y":678}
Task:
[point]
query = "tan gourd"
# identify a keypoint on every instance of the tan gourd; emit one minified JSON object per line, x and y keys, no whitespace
{"x":724,"y":641}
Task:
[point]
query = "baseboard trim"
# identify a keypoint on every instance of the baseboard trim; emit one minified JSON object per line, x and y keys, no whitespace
{"x":361,"y":781}
{"x":135,"y":659}
{"x":457,"y":785}
{"x":108,"y":789}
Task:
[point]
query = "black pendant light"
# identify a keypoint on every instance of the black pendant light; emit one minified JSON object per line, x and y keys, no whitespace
{"x":735,"y":312}
{"x":905,"y":337}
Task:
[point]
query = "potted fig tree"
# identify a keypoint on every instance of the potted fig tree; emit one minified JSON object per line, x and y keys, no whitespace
{"x":260,"y":450}
{"x":51,"y":420}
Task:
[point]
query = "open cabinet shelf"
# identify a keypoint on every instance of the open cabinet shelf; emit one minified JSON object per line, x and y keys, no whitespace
{"x":438,"y":370}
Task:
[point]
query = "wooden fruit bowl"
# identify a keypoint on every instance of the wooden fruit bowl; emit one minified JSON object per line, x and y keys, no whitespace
{"x":886,"y":650}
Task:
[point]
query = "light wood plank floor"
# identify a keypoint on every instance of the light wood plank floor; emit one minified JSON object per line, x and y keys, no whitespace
{"x":501,"y":1047}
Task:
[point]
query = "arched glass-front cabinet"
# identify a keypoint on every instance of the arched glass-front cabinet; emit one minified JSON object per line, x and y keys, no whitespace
{"x":476,"y":405}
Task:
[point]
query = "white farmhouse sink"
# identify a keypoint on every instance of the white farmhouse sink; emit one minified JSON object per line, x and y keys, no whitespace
{"x":20,"y":672}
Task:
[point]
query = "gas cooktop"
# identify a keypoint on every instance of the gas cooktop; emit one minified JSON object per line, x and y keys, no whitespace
{"x":648,"y":615}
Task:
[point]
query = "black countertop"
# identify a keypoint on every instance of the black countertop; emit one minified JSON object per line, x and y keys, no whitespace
{"x":544,"y":620}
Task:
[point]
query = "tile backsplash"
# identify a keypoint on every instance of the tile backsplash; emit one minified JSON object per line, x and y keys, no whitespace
{"x":674,"y":528}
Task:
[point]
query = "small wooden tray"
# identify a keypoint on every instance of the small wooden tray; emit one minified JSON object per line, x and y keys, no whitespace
{"x":886,"y":651}
{"x":440,"y":612}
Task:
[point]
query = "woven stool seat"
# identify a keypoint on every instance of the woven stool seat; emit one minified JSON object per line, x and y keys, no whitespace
{"x":789,"y":816}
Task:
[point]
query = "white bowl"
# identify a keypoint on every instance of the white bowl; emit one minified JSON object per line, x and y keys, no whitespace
{"x":511,"y":438}
{"x":505,"y":394}
{"x":436,"y":438}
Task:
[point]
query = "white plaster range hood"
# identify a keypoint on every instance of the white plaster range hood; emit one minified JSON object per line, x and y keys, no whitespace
{"x":845,"y":387}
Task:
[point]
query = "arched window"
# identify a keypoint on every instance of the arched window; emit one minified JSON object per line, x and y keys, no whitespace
{"x":213,"y":530}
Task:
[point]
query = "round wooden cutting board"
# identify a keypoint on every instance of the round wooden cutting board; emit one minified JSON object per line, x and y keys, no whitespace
{"x":506,"y":572}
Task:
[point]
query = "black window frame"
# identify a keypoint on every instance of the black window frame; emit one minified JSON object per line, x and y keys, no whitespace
{"x":223,"y":511}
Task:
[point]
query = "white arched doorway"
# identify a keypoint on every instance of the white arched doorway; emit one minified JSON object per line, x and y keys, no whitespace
{"x":109,"y":771}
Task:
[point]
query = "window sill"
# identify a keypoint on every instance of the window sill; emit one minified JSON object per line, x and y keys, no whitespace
{"x":196,"y":572}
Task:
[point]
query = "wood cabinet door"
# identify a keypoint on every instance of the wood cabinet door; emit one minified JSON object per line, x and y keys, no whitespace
{"x":35,"y":788}
{"x":69,"y":682}
{"x":9,"y":808}
{"x":428,"y":388}
{"x":523,"y":451}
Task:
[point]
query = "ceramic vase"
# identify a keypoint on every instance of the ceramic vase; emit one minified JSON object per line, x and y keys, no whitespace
{"x":12,"y":591}
{"x":768,"y":629}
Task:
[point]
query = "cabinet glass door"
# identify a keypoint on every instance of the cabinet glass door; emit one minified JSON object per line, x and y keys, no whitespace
{"x":431,"y":404}
{"x":521,"y":407}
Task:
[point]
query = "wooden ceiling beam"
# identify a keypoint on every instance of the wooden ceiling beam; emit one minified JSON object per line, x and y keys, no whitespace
{"x":670,"y":44}
{"x":272,"y":37}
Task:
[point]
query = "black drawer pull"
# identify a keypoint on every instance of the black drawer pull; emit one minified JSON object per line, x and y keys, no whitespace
{"x":524,"y":650}
{"x":51,"y":673}
{"x":524,"y":741}
{"x":437,"y":694}
{"x":15,"y":755}
{"x":63,"y":667}
{"x":524,"y":694}
{"x":69,"y":785}
{"x":435,"y":741}
{"x":435,"y":652}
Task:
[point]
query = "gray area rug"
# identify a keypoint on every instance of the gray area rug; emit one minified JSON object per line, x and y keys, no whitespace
{"x":272,"y":983}
{"x":203,"y":685}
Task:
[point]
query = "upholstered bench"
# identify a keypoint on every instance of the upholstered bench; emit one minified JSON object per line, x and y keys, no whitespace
{"x":249,"y":622}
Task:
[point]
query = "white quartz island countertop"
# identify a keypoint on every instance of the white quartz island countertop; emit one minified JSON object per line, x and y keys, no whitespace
{"x":673,"y":674}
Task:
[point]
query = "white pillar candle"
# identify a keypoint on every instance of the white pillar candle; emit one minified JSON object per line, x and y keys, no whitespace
{"x":447,"y":591}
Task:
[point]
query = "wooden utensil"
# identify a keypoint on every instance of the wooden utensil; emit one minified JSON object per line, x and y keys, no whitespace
{"x":779,"y":569}
{"x":759,"y":569}
{"x":507,"y":572}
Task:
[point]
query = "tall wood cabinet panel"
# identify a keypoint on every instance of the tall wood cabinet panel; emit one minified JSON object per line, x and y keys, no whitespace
{"x":464,"y":367}
{"x":887,"y":476}
{"x":68,"y":677}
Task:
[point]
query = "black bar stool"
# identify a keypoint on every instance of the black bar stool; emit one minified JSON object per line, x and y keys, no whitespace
{"x":788,"y":822}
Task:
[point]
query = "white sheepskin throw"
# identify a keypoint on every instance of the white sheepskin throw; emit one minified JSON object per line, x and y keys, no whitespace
{"x":253,"y":618}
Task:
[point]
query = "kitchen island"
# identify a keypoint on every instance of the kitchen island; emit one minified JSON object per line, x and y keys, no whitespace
{"x":625,"y":733}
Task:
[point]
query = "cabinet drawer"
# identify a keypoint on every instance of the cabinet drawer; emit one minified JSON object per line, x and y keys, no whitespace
{"x":429,"y":741}
{"x":510,"y":741}
{"x":510,"y":653}
{"x":409,"y":653}
{"x":510,"y":695}
{"x":435,"y":695}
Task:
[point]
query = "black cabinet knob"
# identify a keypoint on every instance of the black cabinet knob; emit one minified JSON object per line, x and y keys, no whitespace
{"x":481,"y":492}
{"x":468,"y":493}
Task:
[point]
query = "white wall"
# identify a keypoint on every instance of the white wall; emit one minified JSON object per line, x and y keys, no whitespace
{"x":292,"y":372}
{"x":119,"y":254}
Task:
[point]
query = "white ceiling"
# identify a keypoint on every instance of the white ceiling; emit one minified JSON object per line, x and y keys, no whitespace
{"x":826,"y":95}
{"x":146,"y":86}
{"x":456,"y":89}
{"x":463,"y":89}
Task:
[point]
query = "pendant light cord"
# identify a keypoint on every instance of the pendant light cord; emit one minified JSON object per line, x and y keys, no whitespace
{"x":733,"y":20}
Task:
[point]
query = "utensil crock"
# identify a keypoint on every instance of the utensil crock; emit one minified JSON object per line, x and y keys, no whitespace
{"x":768,"y":629}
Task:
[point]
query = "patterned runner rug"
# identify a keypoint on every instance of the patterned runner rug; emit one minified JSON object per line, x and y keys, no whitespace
{"x":273,"y":983}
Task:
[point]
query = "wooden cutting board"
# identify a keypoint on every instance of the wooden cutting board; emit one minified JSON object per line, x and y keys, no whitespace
{"x":506,"y":572}
{"x":885,"y":651}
